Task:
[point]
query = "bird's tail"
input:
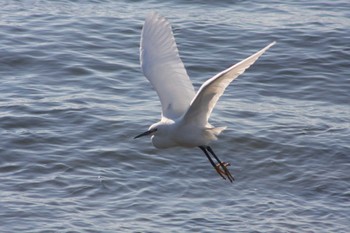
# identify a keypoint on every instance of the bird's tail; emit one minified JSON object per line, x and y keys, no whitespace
{"x":214,"y":132}
{"x":218,"y":130}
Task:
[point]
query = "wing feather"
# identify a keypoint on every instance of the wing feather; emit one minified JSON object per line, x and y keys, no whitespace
{"x":210,"y":92}
{"x":162,"y":66}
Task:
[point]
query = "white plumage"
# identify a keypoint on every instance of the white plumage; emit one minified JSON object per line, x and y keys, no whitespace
{"x":162,"y":66}
{"x":185,"y":114}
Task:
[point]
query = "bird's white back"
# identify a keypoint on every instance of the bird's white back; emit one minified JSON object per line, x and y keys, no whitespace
{"x":162,"y":66}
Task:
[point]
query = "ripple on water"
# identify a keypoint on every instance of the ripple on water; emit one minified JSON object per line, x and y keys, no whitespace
{"x":73,"y":97}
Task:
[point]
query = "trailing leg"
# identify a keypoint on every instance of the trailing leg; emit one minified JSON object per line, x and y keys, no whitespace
{"x":211,"y":161}
{"x":223,"y":165}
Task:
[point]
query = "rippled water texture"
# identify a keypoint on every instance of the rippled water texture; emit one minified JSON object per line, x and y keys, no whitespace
{"x":73,"y":96}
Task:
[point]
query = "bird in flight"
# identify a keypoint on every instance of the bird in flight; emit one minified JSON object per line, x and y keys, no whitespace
{"x":185,"y":113}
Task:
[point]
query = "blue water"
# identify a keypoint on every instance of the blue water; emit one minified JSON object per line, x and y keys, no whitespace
{"x":73,"y":97}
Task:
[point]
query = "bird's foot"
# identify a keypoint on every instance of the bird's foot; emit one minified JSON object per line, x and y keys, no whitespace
{"x":221,"y":169}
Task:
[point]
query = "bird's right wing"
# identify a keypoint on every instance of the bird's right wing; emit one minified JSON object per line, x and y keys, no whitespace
{"x":210,"y":92}
{"x":162,"y":66}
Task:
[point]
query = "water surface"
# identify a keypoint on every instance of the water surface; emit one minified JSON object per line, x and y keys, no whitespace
{"x":73,"y":96}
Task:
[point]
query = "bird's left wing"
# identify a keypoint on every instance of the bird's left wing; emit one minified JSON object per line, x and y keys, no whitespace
{"x":162,"y":66}
{"x":210,"y":92}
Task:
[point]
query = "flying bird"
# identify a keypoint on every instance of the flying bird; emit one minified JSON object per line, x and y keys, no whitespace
{"x":185,"y":113}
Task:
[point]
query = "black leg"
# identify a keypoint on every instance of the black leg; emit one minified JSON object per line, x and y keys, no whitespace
{"x":211,"y":160}
{"x":227,"y":172}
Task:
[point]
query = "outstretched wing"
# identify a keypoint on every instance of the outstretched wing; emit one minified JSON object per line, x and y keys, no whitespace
{"x":210,"y":92}
{"x":162,"y":66}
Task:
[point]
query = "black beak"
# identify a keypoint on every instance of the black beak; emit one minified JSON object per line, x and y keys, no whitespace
{"x":144,"y":134}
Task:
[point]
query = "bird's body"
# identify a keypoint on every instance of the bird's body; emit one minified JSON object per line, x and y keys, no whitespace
{"x":185,"y":114}
{"x":172,"y":133}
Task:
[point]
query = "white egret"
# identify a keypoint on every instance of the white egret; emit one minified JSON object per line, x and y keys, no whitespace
{"x":185,"y":114}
